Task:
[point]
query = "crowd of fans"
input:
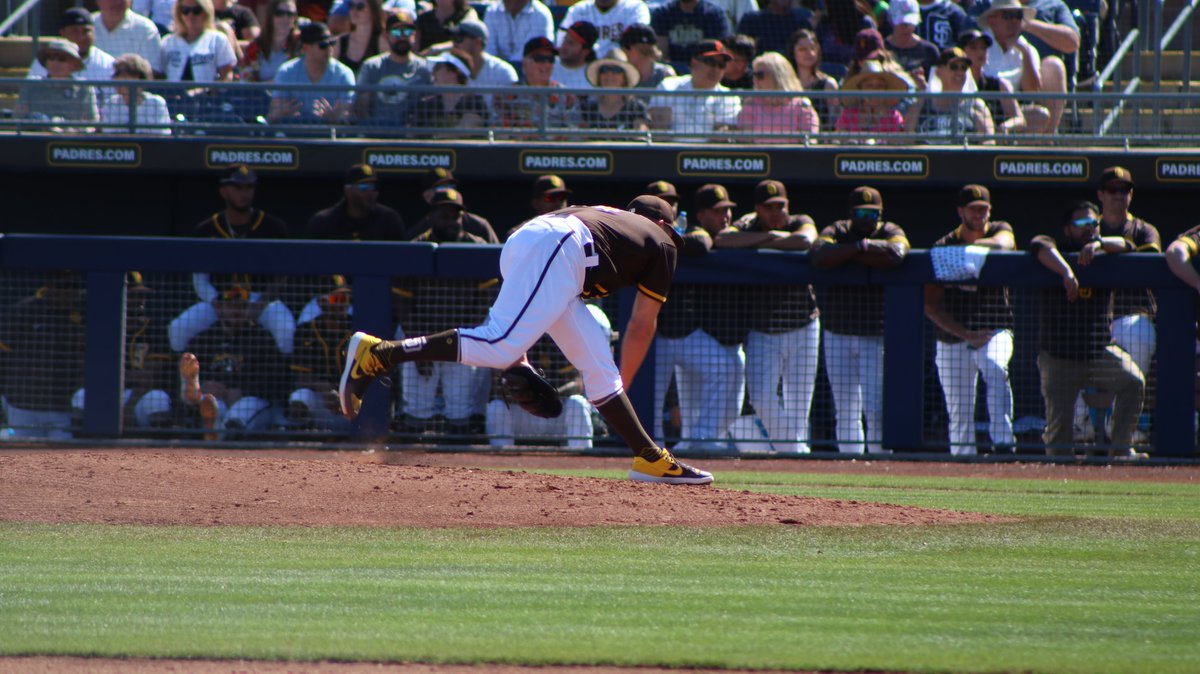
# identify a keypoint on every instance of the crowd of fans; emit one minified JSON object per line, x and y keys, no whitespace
{"x":364,"y":53}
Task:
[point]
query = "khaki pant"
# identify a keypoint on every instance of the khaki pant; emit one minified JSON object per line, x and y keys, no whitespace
{"x":1062,"y":380}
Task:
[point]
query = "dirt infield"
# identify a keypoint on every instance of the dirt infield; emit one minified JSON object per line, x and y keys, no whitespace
{"x":308,"y":488}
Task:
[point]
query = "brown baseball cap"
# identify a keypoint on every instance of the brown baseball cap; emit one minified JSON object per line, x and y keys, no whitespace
{"x":436,"y":177}
{"x":663,"y":190}
{"x":770,"y":192}
{"x":866,"y":197}
{"x":361,"y":173}
{"x":970,"y":195}
{"x":549,"y":184}
{"x":448,"y":196}
{"x":238,"y":174}
{"x":713,"y":196}
{"x":1116,"y":174}
{"x":652,"y":207}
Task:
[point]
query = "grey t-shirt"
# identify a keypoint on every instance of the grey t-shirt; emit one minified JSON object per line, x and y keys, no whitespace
{"x":391,"y":106}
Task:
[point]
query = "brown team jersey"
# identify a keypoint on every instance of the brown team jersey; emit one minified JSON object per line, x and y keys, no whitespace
{"x":784,"y":308}
{"x":976,"y":307}
{"x":856,"y":310}
{"x":1076,"y":330}
{"x":1140,"y":237}
{"x":632,"y":250}
{"x":1191,"y":239}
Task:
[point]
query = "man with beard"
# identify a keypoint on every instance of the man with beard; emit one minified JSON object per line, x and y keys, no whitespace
{"x":395,"y":70}
{"x":576,"y":49}
{"x":358,"y":215}
{"x":853,"y":317}
{"x":974,"y":331}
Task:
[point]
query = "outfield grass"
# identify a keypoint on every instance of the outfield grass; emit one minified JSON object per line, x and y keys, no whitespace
{"x":1097,"y":577}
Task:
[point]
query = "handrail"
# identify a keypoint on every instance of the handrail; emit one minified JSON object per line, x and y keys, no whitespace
{"x":16,"y":16}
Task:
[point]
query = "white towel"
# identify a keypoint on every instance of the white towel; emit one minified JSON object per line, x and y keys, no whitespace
{"x":958,"y":263}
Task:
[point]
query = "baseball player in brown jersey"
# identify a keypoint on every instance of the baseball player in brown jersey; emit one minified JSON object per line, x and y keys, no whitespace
{"x":549,"y":264}
{"x":974,"y":330}
{"x":853,"y":318}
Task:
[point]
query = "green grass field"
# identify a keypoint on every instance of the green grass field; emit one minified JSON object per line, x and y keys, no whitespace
{"x":1094,"y":577}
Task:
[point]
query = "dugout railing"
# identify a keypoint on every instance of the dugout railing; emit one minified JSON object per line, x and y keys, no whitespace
{"x":909,"y":417}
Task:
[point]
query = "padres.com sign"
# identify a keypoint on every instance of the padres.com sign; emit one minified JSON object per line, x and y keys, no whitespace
{"x":256,"y":156}
{"x":108,"y":155}
{"x":753,"y":164}
{"x":570,"y":162}
{"x":408,"y":161}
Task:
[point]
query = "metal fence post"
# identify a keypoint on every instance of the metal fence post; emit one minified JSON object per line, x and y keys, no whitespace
{"x":104,"y":366}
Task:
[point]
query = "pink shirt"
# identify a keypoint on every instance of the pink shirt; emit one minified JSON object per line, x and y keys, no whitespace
{"x":795,"y":115}
{"x":850,"y":121}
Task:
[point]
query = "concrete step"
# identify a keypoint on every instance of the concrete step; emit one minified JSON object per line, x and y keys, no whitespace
{"x":16,"y":51}
{"x":1172,"y":65}
{"x":1141,"y":122}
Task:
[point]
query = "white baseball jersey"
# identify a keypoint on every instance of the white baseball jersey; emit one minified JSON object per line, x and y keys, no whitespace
{"x":610,"y":22}
{"x":208,"y":54}
{"x":134,"y":34}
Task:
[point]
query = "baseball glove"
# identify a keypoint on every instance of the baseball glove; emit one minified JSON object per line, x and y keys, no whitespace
{"x":527,"y":388}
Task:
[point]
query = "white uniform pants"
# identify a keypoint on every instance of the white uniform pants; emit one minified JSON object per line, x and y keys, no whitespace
{"x":959,"y":368}
{"x":790,"y":358}
{"x":36,"y":424}
{"x":854,"y":365}
{"x":321,"y":415}
{"x":506,"y":423}
{"x":710,"y":380}
{"x":543,"y":265}
{"x":458,"y":390}
{"x":276,"y":318}
{"x":154,"y":402}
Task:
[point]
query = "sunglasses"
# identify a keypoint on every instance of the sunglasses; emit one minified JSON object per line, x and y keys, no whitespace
{"x":359,"y":6}
{"x":1011,"y":15}
{"x":545,"y":58}
{"x":285,"y":13}
{"x":713,"y":61}
{"x":459,"y":38}
{"x":866,"y":214}
{"x":185,"y":10}
{"x":957,"y":67}
{"x":338,"y":297}
{"x":760,"y":74}
{"x":1121,"y":189}
{"x":551,"y":197}
{"x":365,"y":187}
{"x":1085,"y":223}
{"x":57,"y":57}
{"x":403,"y":31}
{"x":610,"y":70}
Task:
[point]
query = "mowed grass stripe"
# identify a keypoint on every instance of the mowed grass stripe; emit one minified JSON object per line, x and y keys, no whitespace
{"x":1064,"y":595}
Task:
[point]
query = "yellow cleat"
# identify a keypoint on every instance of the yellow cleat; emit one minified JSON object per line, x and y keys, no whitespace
{"x":362,"y":366}
{"x":667,"y":470}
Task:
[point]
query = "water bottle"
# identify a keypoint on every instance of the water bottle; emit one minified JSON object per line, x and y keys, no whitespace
{"x":681,"y":223}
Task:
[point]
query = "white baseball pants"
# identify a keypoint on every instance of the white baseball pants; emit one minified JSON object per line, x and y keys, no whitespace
{"x":854,"y":365}
{"x":710,"y":379}
{"x":506,"y":423}
{"x":959,"y":367}
{"x":790,"y":358}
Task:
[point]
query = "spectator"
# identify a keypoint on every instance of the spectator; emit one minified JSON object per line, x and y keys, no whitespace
{"x":339,"y":15}
{"x":1006,"y":114}
{"x":869,"y":46}
{"x":120,"y":31}
{"x":458,"y":382}
{"x":1180,"y":255}
{"x":76,"y":26}
{"x":240,"y":22}
{"x":1075,"y":349}
{"x":704,"y":355}
{"x":321,"y":334}
{"x":550,"y":193}
{"x":471,"y":36}
{"x":941,"y":21}
{"x":837,"y":33}
{"x":1020,"y":60}
{"x":699,"y":116}
{"x":438,"y":179}
{"x":945,"y":119}
{"x":974,"y":327}
{"x":576,"y":49}
{"x":785,"y":331}
{"x":680,"y":24}
{"x":777,"y":119}
{"x":393,"y":72}
{"x":42,"y":362}
{"x":737,"y":75}
{"x":875,"y":114}
{"x":665,"y":191}
{"x":148,"y":374}
{"x":367,"y":36}
{"x":806,"y":56}
{"x":196,"y":51}
{"x":610,"y":18}
{"x":239,"y":219}
{"x":316,"y":65}
{"x":511,"y":24}
{"x":58,"y":98}
{"x":532,"y":110}
{"x":240,"y":372}
{"x":506,"y":422}
{"x":853,"y":317}
{"x":451,"y":110}
{"x":640,"y":45}
{"x":774,"y":23}
{"x":159,"y":11}
{"x":736,"y":9}
{"x":358,"y":215}
{"x":433,"y":26}
{"x":152,"y":114}
{"x":915,"y":54}
{"x":278,"y":43}
{"x":619,"y":112}
{"x":1133,"y":309}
